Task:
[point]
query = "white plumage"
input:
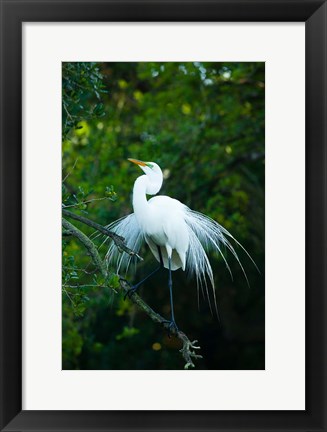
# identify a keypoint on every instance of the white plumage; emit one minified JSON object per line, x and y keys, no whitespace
{"x":183,"y":235}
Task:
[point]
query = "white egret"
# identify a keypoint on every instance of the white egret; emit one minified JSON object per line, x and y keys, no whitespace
{"x":177,"y":236}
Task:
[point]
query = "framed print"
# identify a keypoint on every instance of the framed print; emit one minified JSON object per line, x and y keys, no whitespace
{"x":163,"y":215}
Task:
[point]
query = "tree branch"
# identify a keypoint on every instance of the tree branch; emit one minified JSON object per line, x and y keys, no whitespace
{"x":88,"y":244}
{"x":119,"y":241}
{"x":188,"y":347}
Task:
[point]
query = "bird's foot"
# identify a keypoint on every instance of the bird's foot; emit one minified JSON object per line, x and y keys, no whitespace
{"x":130,"y":292}
{"x":171,"y":327}
{"x":122,"y":279}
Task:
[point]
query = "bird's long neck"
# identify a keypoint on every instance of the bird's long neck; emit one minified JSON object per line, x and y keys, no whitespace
{"x":140,"y":203}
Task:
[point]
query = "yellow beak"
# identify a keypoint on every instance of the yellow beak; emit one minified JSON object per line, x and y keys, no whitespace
{"x":137,"y":162}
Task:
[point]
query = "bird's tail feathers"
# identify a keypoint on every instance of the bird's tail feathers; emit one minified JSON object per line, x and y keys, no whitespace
{"x":198,"y":265}
{"x":206,"y":234}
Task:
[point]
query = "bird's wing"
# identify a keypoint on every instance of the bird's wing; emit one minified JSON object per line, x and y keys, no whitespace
{"x":166,"y":202}
{"x":128,"y":228}
{"x":176,"y":261}
{"x":173,"y":231}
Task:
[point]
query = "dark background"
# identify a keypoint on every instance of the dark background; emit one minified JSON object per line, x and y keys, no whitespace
{"x":203,"y":123}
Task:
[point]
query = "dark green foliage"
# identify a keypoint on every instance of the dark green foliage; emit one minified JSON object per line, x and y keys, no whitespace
{"x":203,"y":123}
{"x":80,"y":83}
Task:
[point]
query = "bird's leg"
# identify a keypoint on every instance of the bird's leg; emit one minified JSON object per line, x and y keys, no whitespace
{"x":172,"y":324}
{"x":134,"y":288}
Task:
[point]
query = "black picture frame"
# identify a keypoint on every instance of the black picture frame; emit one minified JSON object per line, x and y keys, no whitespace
{"x":13,"y":14}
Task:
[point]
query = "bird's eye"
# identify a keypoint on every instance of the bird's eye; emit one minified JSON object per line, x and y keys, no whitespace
{"x":149,"y":165}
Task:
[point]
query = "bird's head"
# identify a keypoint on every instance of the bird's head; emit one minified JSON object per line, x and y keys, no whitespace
{"x":153,"y":173}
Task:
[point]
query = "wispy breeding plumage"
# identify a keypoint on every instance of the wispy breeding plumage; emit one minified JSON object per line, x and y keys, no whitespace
{"x":177,"y":236}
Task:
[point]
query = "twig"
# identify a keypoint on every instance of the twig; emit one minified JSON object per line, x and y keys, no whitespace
{"x":67,"y":112}
{"x":66,"y":292}
{"x":188,"y":347}
{"x":69,"y":173}
{"x":83,"y":286}
{"x":78,"y":269}
{"x":86,"y":202}
{"x":119,"y":241}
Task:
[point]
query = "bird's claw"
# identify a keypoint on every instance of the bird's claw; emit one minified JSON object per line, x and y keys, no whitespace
{"x":130,"y":292}
{"x":171,"y":327}
{"x":122,"y":279}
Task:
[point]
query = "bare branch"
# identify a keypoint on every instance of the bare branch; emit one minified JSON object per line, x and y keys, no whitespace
{"x":119,"y":241}
{"x":88,"y":244}
{"x":69,"y":173}
{"x":187,"y":352}
{"x":85,"y":202}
